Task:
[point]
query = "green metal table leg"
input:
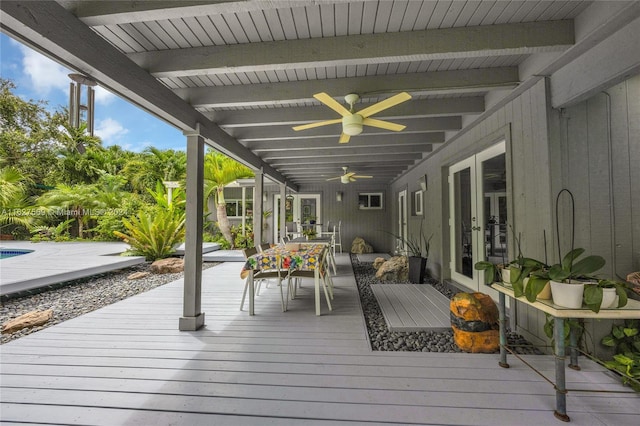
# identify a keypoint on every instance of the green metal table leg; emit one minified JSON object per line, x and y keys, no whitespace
{"x":573,"y":339}
{"x":561,"y":391}
{"x":502,"y":322}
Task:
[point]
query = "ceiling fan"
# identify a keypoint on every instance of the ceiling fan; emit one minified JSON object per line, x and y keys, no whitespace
{"x":349,"y":177}
{"x":352,"y":122}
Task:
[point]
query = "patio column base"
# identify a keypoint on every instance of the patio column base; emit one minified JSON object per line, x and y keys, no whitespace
{"x":191,"y":323}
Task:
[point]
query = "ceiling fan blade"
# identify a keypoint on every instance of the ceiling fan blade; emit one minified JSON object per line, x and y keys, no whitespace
{"x":361,"y":177}
{"x":382,"y":105}
{"x":332,"y":103}
{"x":351,"y":179}
{"x":317,"y":124}
{"x":350,"y":174}
{"x":334,"y":178}
{"x":344,"y":138}
{"x":383,"y":124}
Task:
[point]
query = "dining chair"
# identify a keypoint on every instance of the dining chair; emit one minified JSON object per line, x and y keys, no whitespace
{"x":261,"y":248}
{"x":338,"y":242}
{"x":260,"y":275}
{"x":324,"y":277}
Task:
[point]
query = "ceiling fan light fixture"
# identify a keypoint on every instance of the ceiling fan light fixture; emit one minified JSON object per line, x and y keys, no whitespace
{"x":352,"y":124}
{"x":344,"y":179}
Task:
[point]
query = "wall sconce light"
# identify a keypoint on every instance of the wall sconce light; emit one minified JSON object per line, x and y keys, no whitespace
{"x":423,"y":182}
{"x":339,"y":196}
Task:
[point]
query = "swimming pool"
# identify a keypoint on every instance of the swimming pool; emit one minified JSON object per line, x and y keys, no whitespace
{"x":5,"y":253}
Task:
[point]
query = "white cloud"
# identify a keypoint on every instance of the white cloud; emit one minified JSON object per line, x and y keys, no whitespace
{"x":103,"y":96}
{"x":109,"y":130}
{"x":44,"y":74}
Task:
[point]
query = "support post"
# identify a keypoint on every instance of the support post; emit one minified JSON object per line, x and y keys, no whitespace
{"x":257,"y":207}
{"x":193,"y":318}
{"x":282,"y":215}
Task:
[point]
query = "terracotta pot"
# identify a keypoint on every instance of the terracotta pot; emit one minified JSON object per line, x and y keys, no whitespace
{"x":567,"y":295}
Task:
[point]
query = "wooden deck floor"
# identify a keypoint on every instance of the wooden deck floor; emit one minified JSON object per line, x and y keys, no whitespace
{"x":128,"y":364}
{"x":412,"y":307}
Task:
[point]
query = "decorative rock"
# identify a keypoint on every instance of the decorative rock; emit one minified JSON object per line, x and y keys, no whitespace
{"x":360,"y":246}
{"x":474,"y":320}
{"x":169,"y":265}
{"x":395,"y":269}
{"x":31,"y":319}
{"x":377,"y":263}
{"x":138,"y":275}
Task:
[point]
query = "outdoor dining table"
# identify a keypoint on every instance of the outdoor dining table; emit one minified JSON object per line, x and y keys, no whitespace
{"x":288,"y":257}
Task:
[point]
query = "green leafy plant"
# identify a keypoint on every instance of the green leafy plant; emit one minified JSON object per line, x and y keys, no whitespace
{"x":417,"y":246}
{"x":59,"y":232}
{"x":625,"y":339}
{"x":519,"y":269}
{"x":153,"y":233}
{"x":571,"y":270}
{"x":593,"y":293}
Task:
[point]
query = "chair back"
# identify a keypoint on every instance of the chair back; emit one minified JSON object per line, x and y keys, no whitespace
{"x":265,"y":246}
{"x":250,"y":251}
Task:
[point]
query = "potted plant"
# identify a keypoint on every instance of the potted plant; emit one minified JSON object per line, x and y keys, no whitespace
{"x":603,"y":295}
{"x":518,"y":273}
{"x":568,"y":277}
{"x":417,"y":253}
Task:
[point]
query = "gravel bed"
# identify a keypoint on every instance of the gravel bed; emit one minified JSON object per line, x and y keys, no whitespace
{"x":423,"y":341}
{"x":74,"y":298}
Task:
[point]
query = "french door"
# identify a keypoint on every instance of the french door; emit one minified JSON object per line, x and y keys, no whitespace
{"x":401,"y":246}
{"x":299,"y":209}
{"x":478,"y":215}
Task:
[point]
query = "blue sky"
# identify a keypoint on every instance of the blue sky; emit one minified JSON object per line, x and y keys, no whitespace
{"x":117,"y":122}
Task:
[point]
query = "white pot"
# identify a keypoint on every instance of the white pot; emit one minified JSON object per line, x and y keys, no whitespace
{"x":609,"y":298}
{"x":505,"y":273}
{"x":567,"y":295}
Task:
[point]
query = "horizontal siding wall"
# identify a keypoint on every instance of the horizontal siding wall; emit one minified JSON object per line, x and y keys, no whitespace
{"x":523,"y":122}
{"x":599,"y":152}
{"x":371,"y":225}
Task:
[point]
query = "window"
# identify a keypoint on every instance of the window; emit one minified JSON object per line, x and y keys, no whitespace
{"x":370,"y":200}
{"x":234,"y":208}
{"x":417,"y":203}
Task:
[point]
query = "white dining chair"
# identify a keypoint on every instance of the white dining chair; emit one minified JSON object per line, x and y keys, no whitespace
{"x":259,"y":275}
{"x":324,"y":277}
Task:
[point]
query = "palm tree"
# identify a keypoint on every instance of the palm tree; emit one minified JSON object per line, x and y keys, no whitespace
{"x":76,"y":201}
{"x":153,"y":165}
{"x":14,"y":206}
{"x":220,"y":170}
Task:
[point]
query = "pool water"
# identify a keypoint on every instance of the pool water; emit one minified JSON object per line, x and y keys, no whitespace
{"x":5,"y":253}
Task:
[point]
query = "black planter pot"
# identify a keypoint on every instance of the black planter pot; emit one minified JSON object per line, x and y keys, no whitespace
{"x":417,"y":266}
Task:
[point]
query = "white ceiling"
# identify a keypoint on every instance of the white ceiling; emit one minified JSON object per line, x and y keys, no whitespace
{"x":251,"y":67}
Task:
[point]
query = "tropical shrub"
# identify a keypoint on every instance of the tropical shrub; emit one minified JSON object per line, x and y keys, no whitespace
{"x":625,"y":338}
{"x":153,"y":233}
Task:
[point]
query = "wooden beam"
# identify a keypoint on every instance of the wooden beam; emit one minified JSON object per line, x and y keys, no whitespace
{"x":299,"y":115}
{"x":437,"y":124}
{"x":94,"y":13}
{"x":361,"y":49}
{"x":371,"y":140}
{"x":345,"y":150}
{"x":438,"y":82}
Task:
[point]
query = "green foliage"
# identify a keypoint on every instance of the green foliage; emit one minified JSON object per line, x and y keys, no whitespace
{"x":569,"y":269}
{"x":569,"y":324}
{"x":242,"y":241}
{"x":593,"y":293}
{"x":59,"y":232}
{"x":625,"y":339}
{"x":112,"y":220}
{"x":153,"y":233}
{"x":418,"y":245}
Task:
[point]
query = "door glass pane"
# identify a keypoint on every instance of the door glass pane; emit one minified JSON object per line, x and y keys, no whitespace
{"x":462,"y":209}
{"x":494,"y":188}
